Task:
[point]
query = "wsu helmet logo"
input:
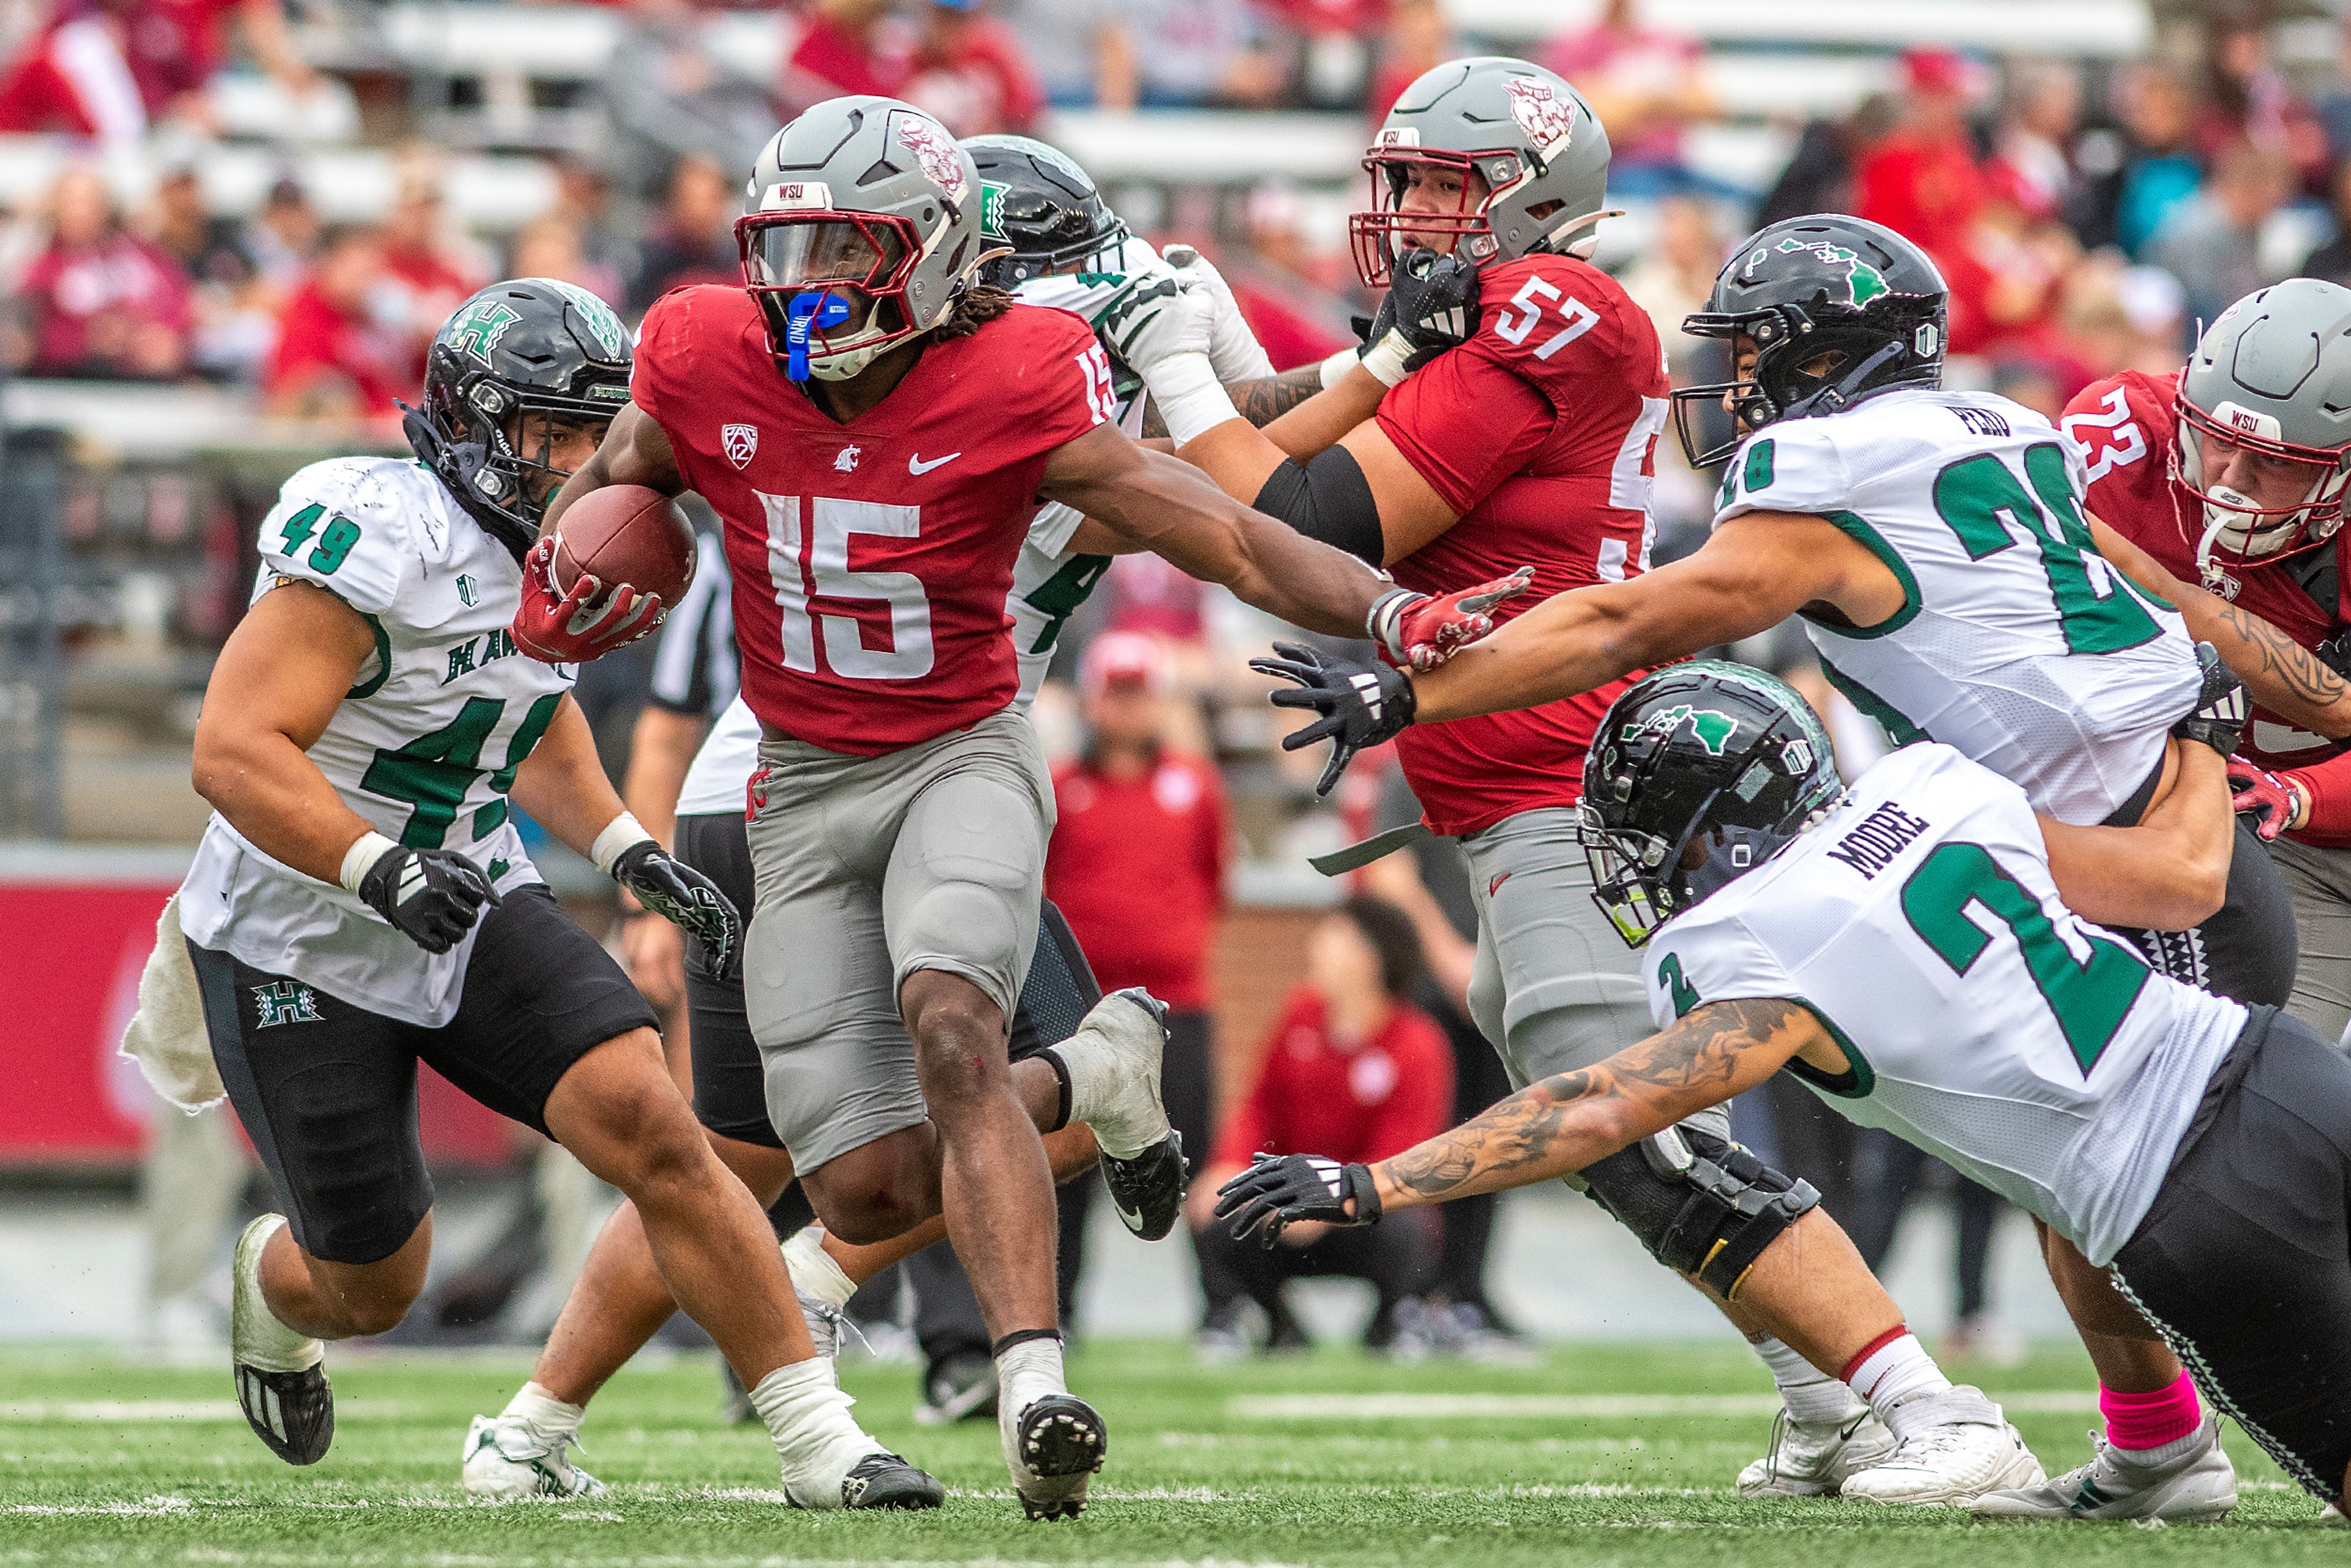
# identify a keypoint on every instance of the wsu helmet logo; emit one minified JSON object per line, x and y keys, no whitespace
{"x":740,"y":443}
{"x":1540,"y":113}
{"x":940,"y":159}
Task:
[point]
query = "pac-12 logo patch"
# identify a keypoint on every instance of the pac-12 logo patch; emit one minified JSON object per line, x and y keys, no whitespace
{"x":741,"y":442}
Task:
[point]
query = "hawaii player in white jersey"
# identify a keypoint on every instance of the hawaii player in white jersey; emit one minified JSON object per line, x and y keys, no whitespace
{"x":1933,"y":545}
{"x":362,"y":903}
{"x":1920,"y":950}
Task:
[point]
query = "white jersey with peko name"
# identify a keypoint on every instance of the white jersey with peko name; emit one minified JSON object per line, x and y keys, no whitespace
{"x":1981,"y":1019}
{"x":424,"y":745}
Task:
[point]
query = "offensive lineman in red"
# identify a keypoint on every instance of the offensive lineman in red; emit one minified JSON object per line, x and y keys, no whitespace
{"x":877,"y":431}
{"x":1534,"y":442}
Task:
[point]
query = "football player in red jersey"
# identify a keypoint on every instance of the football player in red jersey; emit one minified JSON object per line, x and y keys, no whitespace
{"x":875,"y":430}
{"x":1533,"y":441}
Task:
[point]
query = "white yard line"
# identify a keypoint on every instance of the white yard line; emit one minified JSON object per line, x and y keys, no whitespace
{"x":1565,"y":1406}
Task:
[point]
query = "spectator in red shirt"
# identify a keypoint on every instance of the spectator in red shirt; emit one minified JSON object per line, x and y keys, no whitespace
{"x":1136,"y":865}
{"x":335,"y":358}
{"x":109,"y":67}
{"x":692,"y":238}
{"x":1922,"y":182}
{"x":1352,"y":1071}
{"x":848,"y":46}
{"x":98,"y":301}
{"x":1417,"y":40}
{"x":426,"y":267}
{"x":971,"y":71}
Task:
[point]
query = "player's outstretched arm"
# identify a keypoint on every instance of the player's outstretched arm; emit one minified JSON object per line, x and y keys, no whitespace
{"x":282,"y":675}
{"x":1756,"y":570}
{"x":635,"y":451}
{"x":2284,"y":676}
{"x":2168,"y":873}
{"x":1562,"y":1123}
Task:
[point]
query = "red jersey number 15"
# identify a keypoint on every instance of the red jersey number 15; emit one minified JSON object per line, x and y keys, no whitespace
{"x":832,"y":522}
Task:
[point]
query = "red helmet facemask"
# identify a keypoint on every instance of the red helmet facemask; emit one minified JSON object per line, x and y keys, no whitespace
{"x":1374,"y":234}
{"x":862,"y":258}
{"x":2230,"y":528}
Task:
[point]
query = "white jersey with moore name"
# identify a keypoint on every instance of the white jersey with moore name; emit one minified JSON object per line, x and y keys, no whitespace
{"x":1050,"y":580}
{"x":2017,"y":642}
{"x":1982,"y":1021}
{"x":424,"y":745}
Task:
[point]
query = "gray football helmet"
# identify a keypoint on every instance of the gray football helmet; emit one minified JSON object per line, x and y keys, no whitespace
{"x":2272,"y":374}
{"x":871,"y":201}
{"x":1528,"y":135}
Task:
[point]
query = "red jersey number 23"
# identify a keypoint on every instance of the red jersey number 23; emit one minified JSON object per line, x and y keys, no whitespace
{"x":832,"y":523}
{"x":2109,"y":439}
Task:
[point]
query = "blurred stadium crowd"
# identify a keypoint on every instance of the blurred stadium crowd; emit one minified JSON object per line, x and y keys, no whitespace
{"x":277,"y":202}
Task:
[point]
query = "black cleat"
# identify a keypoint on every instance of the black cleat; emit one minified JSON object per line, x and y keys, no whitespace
{"x":293,"y":1412}
{"x":1058,"y":1443}
{"x":885,"y":1480}
{"x":1148,"y":1190}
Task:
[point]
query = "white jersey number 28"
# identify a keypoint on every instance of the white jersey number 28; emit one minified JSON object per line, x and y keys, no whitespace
{"x":833,"y":522}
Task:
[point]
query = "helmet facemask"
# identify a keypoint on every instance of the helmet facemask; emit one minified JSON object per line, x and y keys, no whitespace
{"x":1469,"y":227}
{"x":2236,"y":528}
{"x":802,"y":246}
{"x":1636,"y":878}
{"x":463,"y":433}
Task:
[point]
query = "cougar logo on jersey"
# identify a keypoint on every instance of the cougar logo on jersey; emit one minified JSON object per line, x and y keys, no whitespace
{"x":1863,"y":281}
{"x":941,"y":158}
{"x":1547,"y":121}
{"x":847,"y":461}
{"x":1713,"y":729}
{"x":741,"y":442}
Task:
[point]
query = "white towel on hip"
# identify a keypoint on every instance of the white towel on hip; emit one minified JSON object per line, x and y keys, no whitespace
{"x":166,"y":1037}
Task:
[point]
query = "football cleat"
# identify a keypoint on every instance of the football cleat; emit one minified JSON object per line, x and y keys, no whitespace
{"x":1147,"y":1191}
{"x":1124,"y":1038}
{"x":960,"y":1388}
{"x":1053,"y":1447}
{"x":2195,"y":1488}
{"x":1813,"y":1458}
{"x":1968,"y":1450}
{"x":885,"y":1481}
{"x":281,"y":1379}
{"x":506,"y":1460}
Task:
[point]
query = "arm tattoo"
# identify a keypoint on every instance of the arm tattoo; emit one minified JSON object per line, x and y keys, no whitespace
{"x":1556,"y":1126}
{"x":1263,"y":401}
{"x":2285,"y":663}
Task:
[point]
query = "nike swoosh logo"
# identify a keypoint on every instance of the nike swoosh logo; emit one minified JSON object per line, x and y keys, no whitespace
{"x":915,"y":464}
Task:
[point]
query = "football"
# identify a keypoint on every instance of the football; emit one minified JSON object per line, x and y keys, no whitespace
{"x":626,"y":533}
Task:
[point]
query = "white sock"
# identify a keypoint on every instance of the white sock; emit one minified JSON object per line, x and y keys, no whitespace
{"x":1027,"y":1373}
{"x":1893,"y":1374}
{"x":543,"y":1410}
{"x":269,"y":1345}
{"x":2163,"y":1454}
{"x":1809,"y":1394}
{"x":815,"y":1437}
{"x":814,"y":1270}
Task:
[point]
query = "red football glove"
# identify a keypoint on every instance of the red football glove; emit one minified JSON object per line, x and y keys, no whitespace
{"x":2268,"y":799}
{"x":1419,"y":633}
{"x":573,"y":628}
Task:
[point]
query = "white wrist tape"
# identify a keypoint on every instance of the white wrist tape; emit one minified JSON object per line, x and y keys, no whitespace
{"x":1190,"y":398}
{"x":1386,"y":358}
{"x":622,"y":834}
{"x":365,"y":850}
{"x":1335,"y":368}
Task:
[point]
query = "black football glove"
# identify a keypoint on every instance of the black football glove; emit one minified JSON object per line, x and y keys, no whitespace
{"x":1361,"y":705}
{"x":1278,"y":1190}
{"x":687,"y":899}
{"x":2217,"y":719}
{"x":1432,"y":300}
{"x":433,"y":896}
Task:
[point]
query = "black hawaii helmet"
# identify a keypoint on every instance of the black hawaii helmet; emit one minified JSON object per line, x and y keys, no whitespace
{"x":1707,"y":749}
{"x":1035,"y":200}
{"x":527,"y":345}
{"x":1838,"y":309}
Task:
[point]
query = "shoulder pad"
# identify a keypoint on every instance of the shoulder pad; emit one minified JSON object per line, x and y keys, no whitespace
{"x":354,"y":526}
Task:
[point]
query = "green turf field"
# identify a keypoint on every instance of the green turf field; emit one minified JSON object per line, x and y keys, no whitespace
{"x":1602,"y":1456}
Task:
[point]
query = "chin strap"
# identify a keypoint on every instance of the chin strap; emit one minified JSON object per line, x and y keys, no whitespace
{"x":452,"y":461}
{"x":1835,"y":397}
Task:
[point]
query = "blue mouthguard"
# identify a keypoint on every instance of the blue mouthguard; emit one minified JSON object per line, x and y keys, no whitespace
{"x":803,"y":314}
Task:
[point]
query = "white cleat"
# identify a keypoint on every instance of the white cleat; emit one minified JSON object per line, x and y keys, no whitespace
{"x":506,"y":1461}
{"x":2197,"y":1489}
{"x":1813,"y":1458}
{"x":1968,"y":1451}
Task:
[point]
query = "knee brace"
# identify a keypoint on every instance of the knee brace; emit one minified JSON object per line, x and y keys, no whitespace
{"x":1702,"y":1206}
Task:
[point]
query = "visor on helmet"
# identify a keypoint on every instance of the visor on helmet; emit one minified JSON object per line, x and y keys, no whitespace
{"x":860,"y":258}
{"x":2236,"y":528}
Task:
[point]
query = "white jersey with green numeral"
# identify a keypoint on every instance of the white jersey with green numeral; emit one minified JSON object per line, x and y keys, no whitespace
{"x":2016,"y":642}
{"x":424,"y":746}
{"x":1981,"y":1019}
